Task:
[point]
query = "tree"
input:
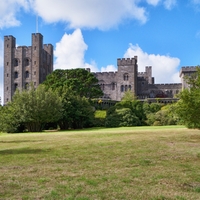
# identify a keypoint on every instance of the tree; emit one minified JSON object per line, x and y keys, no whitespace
{"x":80,"y":81}
{"x":188,"y":107}
{"x":35,"y":107}
{"x":128,"y":112}
{"x":76,"y":111}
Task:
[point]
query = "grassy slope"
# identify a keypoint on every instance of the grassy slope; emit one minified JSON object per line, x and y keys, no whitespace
{"x":123,"y":163}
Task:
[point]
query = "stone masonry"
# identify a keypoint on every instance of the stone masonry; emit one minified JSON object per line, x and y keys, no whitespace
{"x":127,"y":77}
{"x":24,"y":65}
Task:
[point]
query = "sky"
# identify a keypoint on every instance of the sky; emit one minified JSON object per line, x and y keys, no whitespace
{"x":164,"y":34}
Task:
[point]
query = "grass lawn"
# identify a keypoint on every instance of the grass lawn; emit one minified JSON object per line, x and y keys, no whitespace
{"x":141,"y":163}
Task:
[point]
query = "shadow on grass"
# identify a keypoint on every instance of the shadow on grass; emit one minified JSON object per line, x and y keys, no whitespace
{"x":20,"y":141}
{"x":23,"y":151}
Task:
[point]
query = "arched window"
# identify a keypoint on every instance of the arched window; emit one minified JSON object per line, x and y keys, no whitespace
{"x":16,"y":75}
{"x":16,"y":62}
{"x":102,"y":86}
{"x":26,"y":62}
{"x":126,"y":77}
{"x":122,"y":88}
{"x":113,"y":86}
{"x":27,"y":74}
{"x":26,"y":85}
{"x":126,"y":87}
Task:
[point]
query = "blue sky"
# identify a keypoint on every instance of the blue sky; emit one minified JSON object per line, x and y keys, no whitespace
{"x":164,"y":34}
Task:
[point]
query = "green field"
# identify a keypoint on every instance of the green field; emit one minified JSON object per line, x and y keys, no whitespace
{"x":141,"y":163}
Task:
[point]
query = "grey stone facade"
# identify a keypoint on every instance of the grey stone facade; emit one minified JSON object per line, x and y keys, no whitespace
{"x":24,"y":65}
{"x":114,"y":84}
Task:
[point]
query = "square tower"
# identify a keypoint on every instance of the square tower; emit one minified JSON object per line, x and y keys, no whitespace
{"x":25,"y":65}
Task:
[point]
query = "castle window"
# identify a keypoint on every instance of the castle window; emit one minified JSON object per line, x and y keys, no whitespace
{"x":34,"y":83}
{"x":7,"y":63}
{"x":15,"y":86}
{"x":34,"y":62}
{"x":27,"y":74}
{"x":34,"y":72}
{"x":34,"y":47}
{"x":16,"y":63}
{"x":26,"y":62}
{"x":126,"y":87}
{"x":113,"y":86}
{"x":129,"y":87}
{"x":7,"y":75}
{"x":177,"y":91}
{"x":102,"y":86}
{"x":126,"y":77}
{"x":122,"y":88}
{"x":7,"y":45}
{"x":16,"y":75}
{"x":26,"y":86}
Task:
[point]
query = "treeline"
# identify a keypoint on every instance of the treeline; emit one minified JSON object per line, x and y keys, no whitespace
{"x":64,"y":101}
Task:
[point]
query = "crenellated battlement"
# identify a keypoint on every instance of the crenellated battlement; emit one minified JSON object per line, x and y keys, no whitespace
{"x":48,"y":46}
{"x":127,"y":61}
{"x":187,"y":69}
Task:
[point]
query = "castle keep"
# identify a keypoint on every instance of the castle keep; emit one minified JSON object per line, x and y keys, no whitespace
{"x":23,"y":65}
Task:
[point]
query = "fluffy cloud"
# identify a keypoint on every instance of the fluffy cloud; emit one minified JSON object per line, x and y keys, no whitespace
{"x":1,"y":70}
{"x":169,"y":4}
{"x":153,"y":2}
{"x":8,"y":11}
{"x":101,"y":14}
{"x":109,"y":68}
{"x":70,"y":51}
{"x":164,"y":67}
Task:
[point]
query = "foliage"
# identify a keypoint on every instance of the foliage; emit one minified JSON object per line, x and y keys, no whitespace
{"x":81,"y":81}
{"x":76,"y":111}
{"x":159,"y":115}
{"x":33,"y":108}
{"x":188,"y":107}
{"x":128,"y":112}
{"x":99,"y":119}
{"x":9,"y":120}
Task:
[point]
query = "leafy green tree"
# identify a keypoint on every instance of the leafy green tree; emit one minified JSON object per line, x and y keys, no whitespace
{"x":9,"y":120}
{"x":81,"y":81}
{"x":188,"y":107}
{"x":35,"y":107}
{"x":77,"y":112}
{"x":128,"y":112}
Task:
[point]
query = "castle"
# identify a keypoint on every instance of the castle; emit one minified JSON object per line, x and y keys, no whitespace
{"x":127,"y":77}
{"x":24,"y":65}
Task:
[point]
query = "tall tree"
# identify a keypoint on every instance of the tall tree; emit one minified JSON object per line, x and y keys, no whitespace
{"x":35,"y":107}
{"x":188,"y":107}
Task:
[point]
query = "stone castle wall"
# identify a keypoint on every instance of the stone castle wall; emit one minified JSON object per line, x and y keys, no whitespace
{"x":114,"y":84}
{"x":23,"y":65}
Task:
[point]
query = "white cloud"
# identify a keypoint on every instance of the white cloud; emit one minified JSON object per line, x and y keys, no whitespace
{"x":196,"y":1}
{"x":9,"y":10}
{"x":164,"y":67}
{"x":70,"y":51}
{"x":1,"y":70}
{"x":109,"y":68}
{"x":169,"y":4}
{"x":153,"y":2}
{"x":102,"y":14}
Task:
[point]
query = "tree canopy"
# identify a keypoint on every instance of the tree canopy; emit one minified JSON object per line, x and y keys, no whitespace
{"x":81,"y":81}
{"x":188,"y":107}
